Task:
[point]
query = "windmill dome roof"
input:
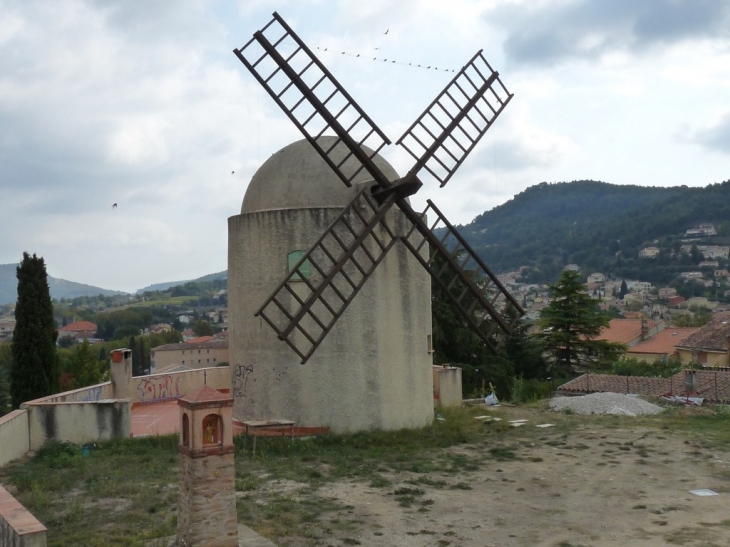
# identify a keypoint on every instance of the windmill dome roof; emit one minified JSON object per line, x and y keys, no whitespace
{"x":296,"y":177}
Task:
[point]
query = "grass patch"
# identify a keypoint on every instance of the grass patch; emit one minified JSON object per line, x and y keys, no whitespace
{"x":125,"y":492}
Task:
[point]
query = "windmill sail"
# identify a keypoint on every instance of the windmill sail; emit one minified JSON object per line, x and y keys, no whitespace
{"x":441,"y":138}
{"x":303,"y":310}
{"x":306,"y":304}
{"x":483,"y":302}
{"x":313,"y":99}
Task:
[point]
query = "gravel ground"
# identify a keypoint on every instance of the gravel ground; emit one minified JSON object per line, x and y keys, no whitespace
{"x":605,"y":403}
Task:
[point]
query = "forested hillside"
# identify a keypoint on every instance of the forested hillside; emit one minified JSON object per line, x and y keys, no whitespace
{"x":596,"y":225}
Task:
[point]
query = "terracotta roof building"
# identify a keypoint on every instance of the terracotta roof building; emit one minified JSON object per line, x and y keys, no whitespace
{"x":712,"y":385}
{"x":78,"y":330}
{"x":662,"y":344}
{"x":186,"y":355}
{"x":709,"y":346}
{"x":629,"y":331}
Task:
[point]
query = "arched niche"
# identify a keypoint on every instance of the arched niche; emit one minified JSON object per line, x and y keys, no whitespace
{"x":212,"y":430}
{"x":186,"y":430}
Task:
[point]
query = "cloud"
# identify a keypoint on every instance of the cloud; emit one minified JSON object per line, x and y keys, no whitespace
{"x":716,"y":137}
{"x":554,"y":32}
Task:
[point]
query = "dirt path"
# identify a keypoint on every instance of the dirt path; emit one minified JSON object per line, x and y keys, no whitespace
{"x":593,"y":485}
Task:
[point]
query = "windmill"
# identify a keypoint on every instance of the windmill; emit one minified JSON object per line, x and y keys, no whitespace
{"x":348,"y":252}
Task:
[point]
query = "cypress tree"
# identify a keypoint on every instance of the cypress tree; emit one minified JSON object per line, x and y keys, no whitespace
{"x":136,"y":365}
{"x":35,"y":370}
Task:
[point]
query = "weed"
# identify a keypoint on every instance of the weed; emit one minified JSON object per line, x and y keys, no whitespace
{"x":427,"y":482}
{"x":502,"y":454}
{"x":379,"y":482}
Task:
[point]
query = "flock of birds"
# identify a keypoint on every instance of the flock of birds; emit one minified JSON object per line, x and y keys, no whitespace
{"x":114,"y":205}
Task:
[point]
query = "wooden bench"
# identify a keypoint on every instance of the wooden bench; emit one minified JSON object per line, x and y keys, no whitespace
{"x":256,"y":426}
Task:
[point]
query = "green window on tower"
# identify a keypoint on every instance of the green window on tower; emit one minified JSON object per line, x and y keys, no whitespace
{"x":303,"y":270}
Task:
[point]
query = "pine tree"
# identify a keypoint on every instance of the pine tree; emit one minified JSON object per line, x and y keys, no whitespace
{"x":570,"y":324}
{"x":35,"y":370}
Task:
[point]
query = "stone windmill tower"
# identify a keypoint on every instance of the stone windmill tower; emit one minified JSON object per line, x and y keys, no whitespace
{"x":373,"y":369}
{"x":328,"y":256}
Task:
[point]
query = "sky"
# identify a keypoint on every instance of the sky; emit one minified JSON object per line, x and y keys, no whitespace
{"x":143,"y":104}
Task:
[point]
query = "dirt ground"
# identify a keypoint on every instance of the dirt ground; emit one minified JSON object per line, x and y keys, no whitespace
{"x":587,"y":482}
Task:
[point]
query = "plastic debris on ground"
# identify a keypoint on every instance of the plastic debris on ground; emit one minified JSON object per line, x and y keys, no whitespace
{"x":545,"y":425}
{"x":683,"y":400}
{"x":703,"y":492}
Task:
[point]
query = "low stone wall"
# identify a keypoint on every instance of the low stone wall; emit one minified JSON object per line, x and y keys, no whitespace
{"x":78,"y":422}
{"x":96,"y":392}
{"x":156,"y":388}
{"x":14,"y":437}
{"x":18,"y":527}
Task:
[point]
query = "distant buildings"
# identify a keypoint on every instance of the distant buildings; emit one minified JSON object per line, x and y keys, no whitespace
{"x":186,"y":355}
{"x":649,"y":252}
{"x":78,"y":330}
{"x":701,"y":230}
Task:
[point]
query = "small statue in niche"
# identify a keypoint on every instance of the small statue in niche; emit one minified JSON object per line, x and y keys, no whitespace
{"x":209,"y":433}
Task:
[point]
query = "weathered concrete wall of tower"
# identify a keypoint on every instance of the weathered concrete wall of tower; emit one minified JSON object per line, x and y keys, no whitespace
{"x":373,"y":370}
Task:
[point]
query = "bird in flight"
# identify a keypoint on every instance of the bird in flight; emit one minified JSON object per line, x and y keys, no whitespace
{"x":114,"y":206}
{"x":232,"y":172}
{"x":387,"y":31}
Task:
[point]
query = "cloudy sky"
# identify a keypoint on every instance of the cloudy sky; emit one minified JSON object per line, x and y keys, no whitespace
{"x":143,"y":104}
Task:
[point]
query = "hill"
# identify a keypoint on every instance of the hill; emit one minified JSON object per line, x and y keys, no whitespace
{"x":599,"y":226}
{"x":60,"y":288}
{"x":169,"y":284}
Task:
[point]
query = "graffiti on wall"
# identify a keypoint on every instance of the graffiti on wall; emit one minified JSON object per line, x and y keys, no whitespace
{"x":92,"y":394}
{"x":240,"y":377}
{"x":159,"y":388}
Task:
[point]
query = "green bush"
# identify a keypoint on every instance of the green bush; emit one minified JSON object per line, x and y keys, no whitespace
{"x":531,"y":390}
{"x":662,"y":368}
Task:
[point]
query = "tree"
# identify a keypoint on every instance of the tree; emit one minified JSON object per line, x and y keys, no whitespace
{"x":136,"y":361}
{"x":202,"y":328}
{"x":81,"y":368}
{"x":624,"y":289}
{"x":525,"y":352}
{"x":66,"y":342}
{"x":35,"y":371}
{"x":570,"y":323}
{"x":455,"y":343}
{"x":6,"y":363}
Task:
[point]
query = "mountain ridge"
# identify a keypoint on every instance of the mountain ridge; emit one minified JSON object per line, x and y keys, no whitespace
{"x":598,"y":225}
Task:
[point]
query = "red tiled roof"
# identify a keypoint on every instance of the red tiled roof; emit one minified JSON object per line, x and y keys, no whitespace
{"x":624,"y":330}
{"x":714,"y":336}
{"x":210,"y":344}
{"x":198,"y":340}
{"x":713,"y":385}
{"x":663,"y":342}
{"x":79,"y":326}
{"x":204,"y":394}
{"x":676,"y":300}
{"x":642,"y":385}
